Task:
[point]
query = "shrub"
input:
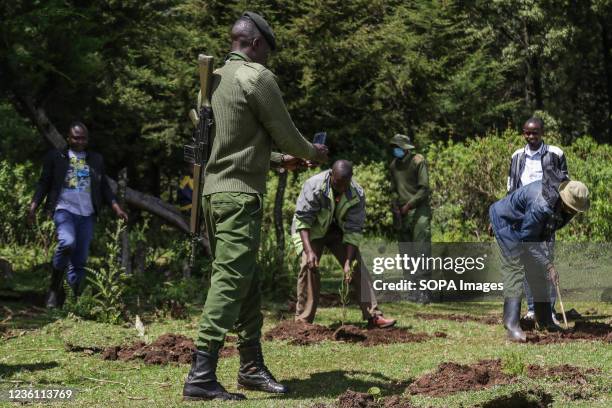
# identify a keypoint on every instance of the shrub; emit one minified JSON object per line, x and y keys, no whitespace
{"x":108,"y":282}
{"x":465,"y":179}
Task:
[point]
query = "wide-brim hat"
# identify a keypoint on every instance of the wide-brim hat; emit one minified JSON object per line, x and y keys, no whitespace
{"x":575,"y":195}
{"x":263,"y":27}
{"x":402,"y":141}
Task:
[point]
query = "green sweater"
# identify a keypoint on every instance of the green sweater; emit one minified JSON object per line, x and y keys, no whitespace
{"x":410,"y":181}
{"x":249,"y":117}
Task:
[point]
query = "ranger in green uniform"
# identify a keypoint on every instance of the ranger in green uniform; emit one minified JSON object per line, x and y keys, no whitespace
{"x":410,"y":184}
{"x":250,"y":116}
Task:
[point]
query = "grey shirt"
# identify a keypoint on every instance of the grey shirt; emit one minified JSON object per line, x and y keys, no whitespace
{"x":76,"y":191}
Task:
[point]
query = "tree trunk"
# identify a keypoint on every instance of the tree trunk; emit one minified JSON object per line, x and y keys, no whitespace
{"x":278,"y":220}
{"x":135,"y":199}
{"x":125,"y":238}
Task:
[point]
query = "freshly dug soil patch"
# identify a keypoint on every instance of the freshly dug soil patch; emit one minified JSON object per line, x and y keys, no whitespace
{"x":374,"y":337}
{"x":571,"y":374}
{"x":352,"y":399}
{"x":452,"y":377}
{"x":166,"y":349}
{"x":298,"y":333}
{"x":305,"y":333}
{"x":459,"y":318}
{"x":521,"y":399}
{"x":580,"y":331}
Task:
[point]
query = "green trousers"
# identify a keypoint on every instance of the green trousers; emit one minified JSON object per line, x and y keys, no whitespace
{"x":515,"y":269}
{"x":415,"y":238}
{"x":416,"y":225}
{"x":233,"y":222}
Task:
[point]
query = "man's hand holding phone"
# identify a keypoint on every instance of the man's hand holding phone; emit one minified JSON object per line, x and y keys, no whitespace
{"x":322,"y":150}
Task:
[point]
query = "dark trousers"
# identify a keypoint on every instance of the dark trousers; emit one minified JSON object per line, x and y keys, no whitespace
{"x":309,"y":280}
{"x":74,"y":235}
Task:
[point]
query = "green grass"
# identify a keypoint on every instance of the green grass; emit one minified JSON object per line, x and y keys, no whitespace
{"x":318,"y":373}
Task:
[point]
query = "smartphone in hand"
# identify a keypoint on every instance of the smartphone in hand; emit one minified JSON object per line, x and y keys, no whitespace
{"x":320,"y":138}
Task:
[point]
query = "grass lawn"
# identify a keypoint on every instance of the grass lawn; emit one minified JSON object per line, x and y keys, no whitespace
{"x":316,"y":373}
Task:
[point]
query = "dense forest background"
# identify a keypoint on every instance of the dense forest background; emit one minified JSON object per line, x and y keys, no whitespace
{"x":460,"y":77}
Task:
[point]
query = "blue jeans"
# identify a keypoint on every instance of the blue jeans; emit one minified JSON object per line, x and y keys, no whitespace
{"x":74,"y":234}
{"x":529,"y":296}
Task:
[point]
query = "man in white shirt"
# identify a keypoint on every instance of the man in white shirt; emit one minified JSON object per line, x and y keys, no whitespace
{"x":537,"y":161}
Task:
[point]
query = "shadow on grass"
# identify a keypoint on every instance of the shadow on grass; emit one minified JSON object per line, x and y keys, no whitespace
{"x":7,"y":370}
{"x":334,"y":383}
{"x":19,"y":313}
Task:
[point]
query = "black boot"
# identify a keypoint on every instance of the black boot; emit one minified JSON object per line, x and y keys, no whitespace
{"x":253,"y":373}
{"x":543,"y":317}
{"x":56,"y":296}
{"x":512,"y":315}
{"x":201,"y":382}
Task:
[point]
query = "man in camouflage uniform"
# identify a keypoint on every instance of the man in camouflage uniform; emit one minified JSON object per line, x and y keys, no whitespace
{"x":250,"y":116}
{"x":410,"y":185}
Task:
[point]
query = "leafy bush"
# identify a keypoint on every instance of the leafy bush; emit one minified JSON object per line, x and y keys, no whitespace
{"x":108,"y":282}
{"x":17,"y":183}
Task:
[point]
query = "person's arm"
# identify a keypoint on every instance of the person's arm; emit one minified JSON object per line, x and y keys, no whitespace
{"x":43,"y":186}
{"x":530,"y":234}
{"x":108,"y":195}
{"x":422,"y":193}
{"x":351,"y":251}
{"x":266,"y":101}
{"x":307,"y":207}
{"x":287,"y":161}
{"x":352,"y":233}
{"x":563,"y":166}
{"x":311,"y":256}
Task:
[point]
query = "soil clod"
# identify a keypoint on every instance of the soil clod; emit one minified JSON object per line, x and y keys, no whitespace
{"x":581,"y":331}
{"x":299,"y":333}
{"x":452,"y":377}
{"x":571,"y":374}
{"x":168,"y":348}
{"x":352,"y":399}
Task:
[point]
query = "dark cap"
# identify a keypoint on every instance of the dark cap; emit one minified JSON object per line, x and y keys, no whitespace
{"x":263,"y":27}
{"x":402,"y":141}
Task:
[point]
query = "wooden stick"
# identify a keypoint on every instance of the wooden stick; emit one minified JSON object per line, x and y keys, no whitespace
{"x":561,"y":303}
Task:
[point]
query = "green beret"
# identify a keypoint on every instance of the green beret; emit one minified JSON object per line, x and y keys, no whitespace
{"x":263,"y":27}
{"x":402,"y":141}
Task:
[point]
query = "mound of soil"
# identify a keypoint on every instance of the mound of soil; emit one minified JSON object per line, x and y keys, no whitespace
{"x":580,"y":331}
{"x":459,"y":318}
{"x":299,"y":333}
{"x":571,"y":374}
{"x":521,"y":399}
{"x":452,"y":377}
{"x":166,"y":349}
{"x":352,"y":399}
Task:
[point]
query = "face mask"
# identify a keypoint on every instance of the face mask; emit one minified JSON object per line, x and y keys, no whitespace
{"x":399,"y":153}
